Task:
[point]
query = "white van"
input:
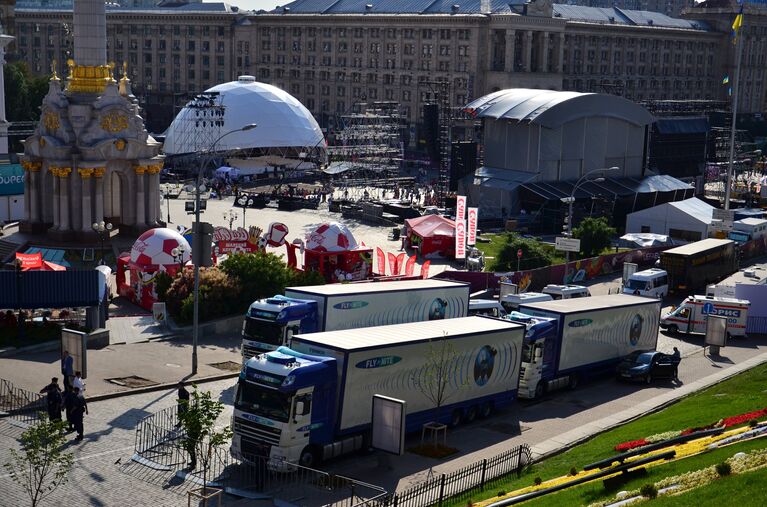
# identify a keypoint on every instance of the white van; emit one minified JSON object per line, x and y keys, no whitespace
{"x":690,"y":316}
{"x":651,"y":282}
{"x":489,"y":307}
{"x":511,"y":302}
{"x":566,"y":291}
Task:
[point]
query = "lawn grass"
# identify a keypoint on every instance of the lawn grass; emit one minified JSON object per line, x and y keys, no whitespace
{"x":743,"y":490}
{"x":742,"y":393}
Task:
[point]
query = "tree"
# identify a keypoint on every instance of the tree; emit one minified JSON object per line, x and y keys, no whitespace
{"x":41,"y":466}
{"x":595,"y":235}
{"x":433,"y":380}
{"x":201,"y":438}
{"x":534,"y":254}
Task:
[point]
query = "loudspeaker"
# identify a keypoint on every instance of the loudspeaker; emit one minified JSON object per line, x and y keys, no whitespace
{"x":463,"y":161}
{"x":431,"y":131}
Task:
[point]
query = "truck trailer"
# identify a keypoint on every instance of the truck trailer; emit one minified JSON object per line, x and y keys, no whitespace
{"x":695,"y":265}
{"x":571,"y":340}
{"x":271,"y":322}
{"x":313,"y":401}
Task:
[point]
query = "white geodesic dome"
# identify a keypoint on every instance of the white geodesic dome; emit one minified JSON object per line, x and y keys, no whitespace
{"x":283,"y":122}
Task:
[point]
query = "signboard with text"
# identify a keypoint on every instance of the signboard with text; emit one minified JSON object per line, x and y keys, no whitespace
{"x":471,"y":235}
{"x":568,"y":244}
{"x":30,"y":260}
{"x":11,"y":179}
{"x":460,"y":239}
{"x":460,"y":207}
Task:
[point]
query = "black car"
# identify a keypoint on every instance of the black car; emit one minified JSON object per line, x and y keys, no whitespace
{"x":648,"y":365}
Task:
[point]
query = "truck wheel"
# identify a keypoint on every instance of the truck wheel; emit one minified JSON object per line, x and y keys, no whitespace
{"x":310,"y":458}
{"x":456,"y":418}
{"x":485,"y":410}
{"x":540,"y":389}
{"x":574,"y":381}
{"x":471,"y":414}
{"x":672,"y":329}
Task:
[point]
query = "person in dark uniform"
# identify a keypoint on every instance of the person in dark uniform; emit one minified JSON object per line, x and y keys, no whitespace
{"x":69,"y":405}
{"x":79,"y":409}
{"x":53,"y":398}
{"x":183,"y":401}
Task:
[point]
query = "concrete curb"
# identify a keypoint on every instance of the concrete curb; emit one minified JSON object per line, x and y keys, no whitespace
{"x":722,"y":376}
{"x":161,"y":387}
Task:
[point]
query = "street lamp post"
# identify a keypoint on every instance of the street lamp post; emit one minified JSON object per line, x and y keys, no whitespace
{"x":232,"y":215}
{"x":102,"y":229}
{"x":198,"y":182}
{"x":571,"y":200}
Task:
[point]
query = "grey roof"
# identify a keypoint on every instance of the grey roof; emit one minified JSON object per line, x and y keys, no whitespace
{"x":335,"y":289}
{"x":207,"y":7}
{"x":616,"y":16}
{"x":698,"y":246}
{"x":552,"y":109}
{"x":693,"y":206}
{"x":589,"y":303}
{"x":390,"y":7}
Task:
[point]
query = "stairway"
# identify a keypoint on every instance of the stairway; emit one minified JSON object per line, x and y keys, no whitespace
{"x":7,"y":249}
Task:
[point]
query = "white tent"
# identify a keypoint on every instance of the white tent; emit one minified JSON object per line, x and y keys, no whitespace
{"x":688,"y":220}
{"x":283,"y":122}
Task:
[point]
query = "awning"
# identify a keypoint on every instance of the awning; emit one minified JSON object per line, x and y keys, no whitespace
{"x":502,"y":179}
{"x":51,"y":255}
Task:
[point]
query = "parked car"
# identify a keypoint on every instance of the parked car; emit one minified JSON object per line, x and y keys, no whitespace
{"x":647,"y":366}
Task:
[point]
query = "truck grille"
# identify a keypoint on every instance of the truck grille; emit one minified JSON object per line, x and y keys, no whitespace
{"x":256,"y":432}
{"x":248,"y":352}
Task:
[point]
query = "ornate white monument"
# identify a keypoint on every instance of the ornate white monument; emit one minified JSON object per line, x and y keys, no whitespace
{"x":90,"y":158}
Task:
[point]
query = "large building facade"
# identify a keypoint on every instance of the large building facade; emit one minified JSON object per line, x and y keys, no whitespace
{"x":332,"y":54}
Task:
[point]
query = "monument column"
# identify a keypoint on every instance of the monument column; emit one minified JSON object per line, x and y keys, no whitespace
{"x":56,"y":197}
{"x":527,"y":50}
{"x":90,"y":27}
{"x":154,"y":194}
{"x":98,"y":174}
{"x":35,"y":192}
{"x":85,"y":176}
{"x":4,"y":41}
{"x":140,"y":200}
{"x":561,"y":49}
{"x":64,"y":223}
{"x":545,"y":53}
{"x":511,"y":39}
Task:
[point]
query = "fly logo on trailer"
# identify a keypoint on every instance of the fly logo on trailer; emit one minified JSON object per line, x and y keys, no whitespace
{"x":378,"y":362}
{"x":350,"y":305}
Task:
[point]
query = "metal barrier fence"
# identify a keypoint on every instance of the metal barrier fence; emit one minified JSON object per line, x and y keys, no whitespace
{"x":19,"y":404}
{"x":460,"y":483}
{"x":159,"y":446}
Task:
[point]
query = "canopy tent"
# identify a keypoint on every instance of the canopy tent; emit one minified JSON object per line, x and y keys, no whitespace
{"x":48,"y":266}
{"x":432,"y":235}
{"x":227,"y":172}
{"x":332,"y":250}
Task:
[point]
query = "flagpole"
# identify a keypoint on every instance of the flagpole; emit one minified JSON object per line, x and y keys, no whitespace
{"x":736,"y":85}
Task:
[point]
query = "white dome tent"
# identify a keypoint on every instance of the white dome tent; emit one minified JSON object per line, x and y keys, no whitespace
{"x":286,"y":130}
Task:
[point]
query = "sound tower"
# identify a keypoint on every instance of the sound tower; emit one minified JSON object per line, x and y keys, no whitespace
{"x":431,"y":131}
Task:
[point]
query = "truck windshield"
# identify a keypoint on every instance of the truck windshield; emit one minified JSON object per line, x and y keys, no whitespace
{"x":636,"y":284}
{"x":263,"y":331}
{"x":261,"y":401}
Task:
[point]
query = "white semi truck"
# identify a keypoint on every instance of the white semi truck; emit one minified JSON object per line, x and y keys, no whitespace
{"x":271,"y":322}
{"x":574,"y":339}
{"x":313,"y":401}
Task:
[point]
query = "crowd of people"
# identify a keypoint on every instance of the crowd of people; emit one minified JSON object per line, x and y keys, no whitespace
{"x":70,"y":400}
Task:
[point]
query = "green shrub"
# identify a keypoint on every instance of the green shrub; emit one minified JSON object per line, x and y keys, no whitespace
{"x":723,"y":469}
{"x":595,"y":235}
{"x":219,"y":296}
{"x":753,"y":423}
{"x":534,"y":254}
{"x":649,"y":491}
{"x":573,"y":471}
{"x":538,"y":481}
{"x":162,"y":283}
{"x":501,"y":493}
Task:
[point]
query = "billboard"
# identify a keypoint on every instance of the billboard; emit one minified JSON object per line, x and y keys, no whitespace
{"x":472,"y":223}
{"x":460,"y":207}
{"x":11,"y":179}
{"x":460,"y":239}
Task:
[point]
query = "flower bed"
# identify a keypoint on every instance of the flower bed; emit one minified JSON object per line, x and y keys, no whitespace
{"x":723,"y":423}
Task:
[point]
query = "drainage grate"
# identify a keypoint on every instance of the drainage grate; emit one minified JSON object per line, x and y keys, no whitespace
{"x":227,"y":365}
{"x":132,"y":381}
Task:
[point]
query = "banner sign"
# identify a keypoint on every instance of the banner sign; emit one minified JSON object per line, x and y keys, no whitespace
{"x":472,"y":222}
{"x":460,"y":208}
{"x":11,"y":179}
{"x":460,"y":239}
{"x":30,"y":261}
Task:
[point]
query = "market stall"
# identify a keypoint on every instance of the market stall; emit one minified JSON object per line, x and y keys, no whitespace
{"x":431,"y":235}
{"x":332,"y":251}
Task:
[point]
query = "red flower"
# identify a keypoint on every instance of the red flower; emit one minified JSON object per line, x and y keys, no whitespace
{"x":627,"y":446}
{"x":742,"y":418}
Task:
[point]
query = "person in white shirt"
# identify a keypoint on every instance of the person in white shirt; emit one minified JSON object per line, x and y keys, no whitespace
{"x":78,"y":381}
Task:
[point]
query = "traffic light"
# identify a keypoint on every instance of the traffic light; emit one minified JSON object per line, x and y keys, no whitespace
{"x":202,"y":244}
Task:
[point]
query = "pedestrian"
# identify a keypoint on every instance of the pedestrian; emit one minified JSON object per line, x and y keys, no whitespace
{"x":183,"y":401}
{"x":53,"y":398}
{"x":78,"y":382}
{"x":79,"y":409}
{"x":676,"y":358}
{"x":67,"y":369}
{"x":69,"y":405}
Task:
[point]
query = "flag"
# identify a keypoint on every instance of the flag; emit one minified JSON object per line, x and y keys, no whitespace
{"x":736,"y":25}
{"x":381,"y":258}
{"x":392,"y":263}
{"x":726,"y":80}
{"x":410,"y":266}
{"x":400,"y":265}
{"x":425,"y":270}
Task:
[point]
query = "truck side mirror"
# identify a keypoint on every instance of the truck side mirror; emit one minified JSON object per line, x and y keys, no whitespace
{"x":299,"y":408}
{"x":537,"y":354}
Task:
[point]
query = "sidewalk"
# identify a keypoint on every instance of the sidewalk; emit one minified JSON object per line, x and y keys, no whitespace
{"x":158,"y":363}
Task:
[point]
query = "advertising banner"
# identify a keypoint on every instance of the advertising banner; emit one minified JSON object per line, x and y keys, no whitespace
{"x":460,"y":239}
{"x":472,"y":222}
{"x":11,"y":179}
{"x":460,"y":208}
{"x":30,"y":261}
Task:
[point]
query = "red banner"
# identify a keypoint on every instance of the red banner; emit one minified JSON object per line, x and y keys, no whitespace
{"x":400,"y":263}
{"x":460,"y":208}
{"x":392,"y":263}
{"x":381,"y":261}
{"x":30,"y":261}
{"x":472,"y":232}
{"x":410,"y":266}
{"x":425,"y":270}
{"x":460,"y":239}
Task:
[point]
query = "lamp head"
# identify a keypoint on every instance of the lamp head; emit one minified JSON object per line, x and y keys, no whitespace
{"x":95,"y":226}
{"x":598,"y":180}
{"x":249,"y":126}
{"x":109,"y":227}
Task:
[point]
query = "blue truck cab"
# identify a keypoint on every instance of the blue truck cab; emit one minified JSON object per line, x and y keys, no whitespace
{"x":270,"y":323}
{"x":537,"y":362}
{"x":283,"y":398}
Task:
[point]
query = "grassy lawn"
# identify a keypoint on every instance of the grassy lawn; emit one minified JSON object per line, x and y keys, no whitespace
{"x":740,"y":394}
{"x":497,"y":241}
{"x":742,"y":490}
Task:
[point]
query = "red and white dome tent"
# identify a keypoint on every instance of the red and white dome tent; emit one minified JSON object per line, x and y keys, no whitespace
{"x":332,"y":250}
{"x":152,"y":253}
